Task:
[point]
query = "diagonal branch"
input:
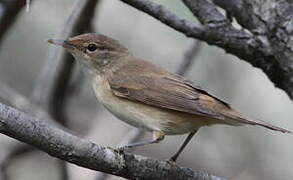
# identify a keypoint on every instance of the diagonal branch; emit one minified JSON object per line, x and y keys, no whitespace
{"x":52,"y":83}
{"x":244,"y":13}
{"x":167,"y":17}
{"x":188,"y":58}
{"x":233,"y":41}
{"x":8,"y":13}
{"x":271,"y":53}
{"x":68,"y":147}
{"x":207,"y":13}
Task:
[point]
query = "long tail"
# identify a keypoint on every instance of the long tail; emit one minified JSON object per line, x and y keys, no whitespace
{"x":239,"y":118}
{"x":267,"y":125}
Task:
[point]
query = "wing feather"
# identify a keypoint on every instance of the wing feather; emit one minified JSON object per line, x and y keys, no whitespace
{"x":144,"y":82}
{"x":154,"y":86}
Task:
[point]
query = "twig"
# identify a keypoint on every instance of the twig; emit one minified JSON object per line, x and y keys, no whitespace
{"x":10,"y":9}
{"x":52,"y":83}
{"x":51,"y":87}
{"x":68,"y":147}
{"x":188,"y":58}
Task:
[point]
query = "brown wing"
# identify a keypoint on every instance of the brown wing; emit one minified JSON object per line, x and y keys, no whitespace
{"x":152,"y":85}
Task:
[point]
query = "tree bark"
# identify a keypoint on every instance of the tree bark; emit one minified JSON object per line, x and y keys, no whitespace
{"x":265,"y":39}
{"x":68,"y":147}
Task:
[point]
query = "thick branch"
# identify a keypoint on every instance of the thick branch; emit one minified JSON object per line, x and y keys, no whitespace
{"x":131,"y":137}
{"x":244,"y":13}
{"x":167,"y":17}
{"x":232,"y":40}
{"x":63,"y":145}
{"x":207,"y":13}
{"x":276,"y":61}
{"x":271,"y":21}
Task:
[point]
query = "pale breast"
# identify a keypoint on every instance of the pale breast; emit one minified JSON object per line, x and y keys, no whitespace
{"x":145,"y":116}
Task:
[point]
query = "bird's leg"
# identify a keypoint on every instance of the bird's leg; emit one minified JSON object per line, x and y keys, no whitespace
{"x":175,"y":156}
{"x":157,"y":137}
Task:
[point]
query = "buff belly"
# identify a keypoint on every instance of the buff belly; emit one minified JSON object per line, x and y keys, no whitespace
{"x":145,"y":116}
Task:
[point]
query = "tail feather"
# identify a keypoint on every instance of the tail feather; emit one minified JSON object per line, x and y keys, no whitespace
{"x":239,"y":118}
{"x":268,"y":125}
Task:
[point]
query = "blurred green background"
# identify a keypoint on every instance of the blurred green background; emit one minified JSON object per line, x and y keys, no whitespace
{"x":238,"y":153}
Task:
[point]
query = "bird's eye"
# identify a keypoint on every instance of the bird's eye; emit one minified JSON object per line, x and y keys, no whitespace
{"x":92,"y":47}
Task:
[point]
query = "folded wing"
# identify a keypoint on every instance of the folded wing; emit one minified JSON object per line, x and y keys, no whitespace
{"x":149,"y":84}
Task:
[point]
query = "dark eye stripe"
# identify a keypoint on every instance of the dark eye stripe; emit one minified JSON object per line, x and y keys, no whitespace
{"x":103,"y":48}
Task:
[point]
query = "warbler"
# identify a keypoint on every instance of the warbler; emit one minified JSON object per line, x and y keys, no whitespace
{"x":147,"y":96}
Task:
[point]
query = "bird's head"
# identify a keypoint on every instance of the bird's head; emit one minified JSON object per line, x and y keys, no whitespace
{"x":94,"y":51}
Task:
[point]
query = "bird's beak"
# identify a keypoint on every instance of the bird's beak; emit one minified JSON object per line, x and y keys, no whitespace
{"x":61,"y":42}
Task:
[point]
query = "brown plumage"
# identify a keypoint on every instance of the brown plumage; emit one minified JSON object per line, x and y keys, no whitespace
{"x":147,"y":96}
{"x":144,"y":82}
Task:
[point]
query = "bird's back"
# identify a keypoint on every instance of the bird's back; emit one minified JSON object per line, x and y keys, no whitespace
{"x":143,"y":82}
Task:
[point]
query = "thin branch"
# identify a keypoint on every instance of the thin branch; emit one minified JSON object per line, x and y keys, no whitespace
{"x":188,"y":58}
{"x":68,"y":147}
{"x":9,"y":11}
{"x":78,"y":21}
{"x":52,"y":83}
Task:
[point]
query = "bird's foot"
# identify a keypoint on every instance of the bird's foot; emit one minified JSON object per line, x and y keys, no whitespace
{"x":122,"y":149}
{"x":172,"y":160}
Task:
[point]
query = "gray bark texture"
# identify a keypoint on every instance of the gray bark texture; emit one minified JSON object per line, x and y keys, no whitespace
{"x":68,"y":147}
{"x":264,"y":39}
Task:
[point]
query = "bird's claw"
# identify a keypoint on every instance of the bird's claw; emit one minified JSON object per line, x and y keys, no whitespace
{"x":121,"y":149}
{"x":171,"y":161}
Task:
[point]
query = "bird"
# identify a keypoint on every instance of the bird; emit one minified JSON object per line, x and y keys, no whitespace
{"x":147,"y":96}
